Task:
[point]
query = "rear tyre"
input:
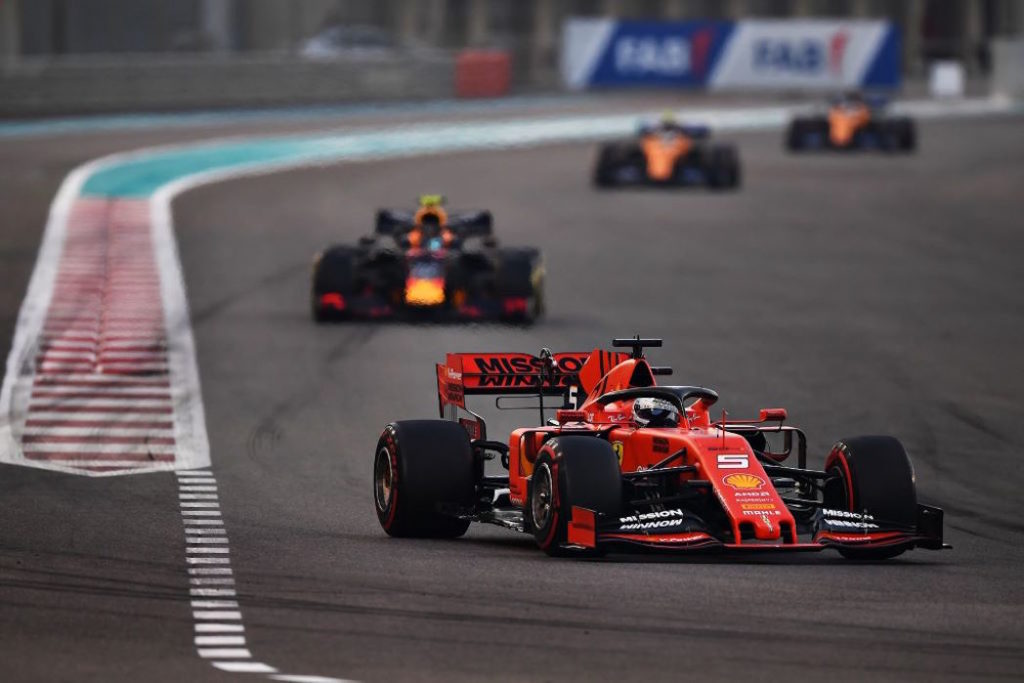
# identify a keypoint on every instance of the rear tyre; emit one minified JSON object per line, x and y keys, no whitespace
{"x":799,"y":131}
{"x":794,"y":136}
{"x":521,"y":276}
{"x":613,"y":157}
{"x":803,"y":130}
{"x":906,"y":135}
{"x":571,"y":470}
{"x":872,"y":474}
{"x":724,"y":168}
{"x":334,"y":273}
{"x":419,"y":467}
{"x":604,"y":168}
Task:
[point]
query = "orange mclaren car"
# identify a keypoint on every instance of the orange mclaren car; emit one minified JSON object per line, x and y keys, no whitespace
{"x":852,"y":123}
{"x":669,"y":155}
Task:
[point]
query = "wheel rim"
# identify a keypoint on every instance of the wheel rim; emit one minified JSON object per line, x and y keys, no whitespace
{"x":540,"y":505}
{"x":383,"y":480}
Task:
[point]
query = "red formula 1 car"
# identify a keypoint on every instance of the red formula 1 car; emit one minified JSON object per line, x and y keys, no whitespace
{"x":628,"y":463}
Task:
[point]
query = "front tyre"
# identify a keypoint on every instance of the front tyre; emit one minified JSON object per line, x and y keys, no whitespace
{"x":571,"y":470}
{"x":872,"y":474}
{"x":422,"y":471}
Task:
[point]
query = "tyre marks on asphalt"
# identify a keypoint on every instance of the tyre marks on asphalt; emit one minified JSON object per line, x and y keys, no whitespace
{"x":99,"y":397}
{"x":219,"y":631}
{"x":101,"y":376}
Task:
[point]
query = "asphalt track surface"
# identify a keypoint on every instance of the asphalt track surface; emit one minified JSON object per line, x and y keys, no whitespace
{"x":866,"y":294}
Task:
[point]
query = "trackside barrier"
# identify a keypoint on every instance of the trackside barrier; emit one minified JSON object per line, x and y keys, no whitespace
{"x":812,"y":54}
{"x":94,"y":84}
{"x":482,"y":73}
{"x":1008,"y":67}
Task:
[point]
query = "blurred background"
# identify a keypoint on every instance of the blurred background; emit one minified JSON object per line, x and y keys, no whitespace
{"x":75,"y":56}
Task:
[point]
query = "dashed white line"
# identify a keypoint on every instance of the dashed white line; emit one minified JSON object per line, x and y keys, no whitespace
{"x":249,"y":668}
{"x":224,"y":653}
{"x":216,"y":612}
{"x":219,"y":628}
{"x":220,"y":640}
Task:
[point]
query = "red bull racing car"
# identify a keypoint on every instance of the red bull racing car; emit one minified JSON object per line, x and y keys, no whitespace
{"x":429,"y":262}
{"x":628,"y":463}
{"x":852,"y":123}
{"x":668,"y":155}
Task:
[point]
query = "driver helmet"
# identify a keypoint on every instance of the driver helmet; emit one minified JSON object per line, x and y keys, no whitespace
{"x":655,"y":412}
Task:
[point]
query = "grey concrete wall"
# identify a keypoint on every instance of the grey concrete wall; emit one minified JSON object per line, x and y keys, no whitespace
{"x":33,"y":87}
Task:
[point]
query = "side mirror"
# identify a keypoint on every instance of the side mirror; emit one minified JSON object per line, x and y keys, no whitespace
{"x":490,"y":242}
{"x":772,"y":415}
{"x":367,"y":240}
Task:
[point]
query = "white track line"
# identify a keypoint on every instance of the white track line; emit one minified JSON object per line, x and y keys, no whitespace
{"x":219,"y":635}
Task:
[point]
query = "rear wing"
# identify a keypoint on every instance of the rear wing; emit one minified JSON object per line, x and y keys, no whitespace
{"x":518,"y":374}
{"x":465,"y":223}
{"x":505,"y":374}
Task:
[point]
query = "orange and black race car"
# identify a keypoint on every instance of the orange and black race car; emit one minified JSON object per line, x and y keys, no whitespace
{"x":429,"y":262}
{"x":852,"y":123}
{"x":628,"y":463}
{"x":671,"y":155}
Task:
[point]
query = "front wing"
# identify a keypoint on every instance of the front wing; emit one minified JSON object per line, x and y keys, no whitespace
{"x":372,"y":306}
{"x":687,"y":175}
{"x":590,"y":530}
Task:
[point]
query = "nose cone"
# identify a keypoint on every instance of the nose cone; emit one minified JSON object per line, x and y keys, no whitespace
{"x":766,"y":527}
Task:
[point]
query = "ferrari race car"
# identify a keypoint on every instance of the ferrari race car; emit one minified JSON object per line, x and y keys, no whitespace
{"x":429,"y":262}
{"x":852,"y":123}
{"x":668,"y":154}
{"x":627,"y":463}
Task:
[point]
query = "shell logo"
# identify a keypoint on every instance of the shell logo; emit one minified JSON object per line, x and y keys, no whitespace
{"x":744,"y":481}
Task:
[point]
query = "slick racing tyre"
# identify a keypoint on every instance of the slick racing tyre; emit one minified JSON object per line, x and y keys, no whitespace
{"x":904,"y":134}
{"x":333,"y":273}
{"x":604,"y":168}
{"x":796,"y":134}
{"x":571,"y":470}
{"x":521,"y":276}
{"x":802,"y":130}
{"x":614,"y":157}
{"x":872,"y":474}
{"x":420,"y":467}
{"x":723,"y":168}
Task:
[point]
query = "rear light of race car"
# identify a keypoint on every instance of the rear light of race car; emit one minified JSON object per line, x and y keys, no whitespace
{"x":333,"y":300}
{"x":516,"y":304}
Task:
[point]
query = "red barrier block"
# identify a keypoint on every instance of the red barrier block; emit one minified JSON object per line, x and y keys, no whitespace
{"x":482,"y":73}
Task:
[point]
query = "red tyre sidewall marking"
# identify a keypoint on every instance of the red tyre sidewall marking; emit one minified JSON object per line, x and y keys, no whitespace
{"x":555,"y":502}
{"x":392,"y":448}
{"x":839,"y":454}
